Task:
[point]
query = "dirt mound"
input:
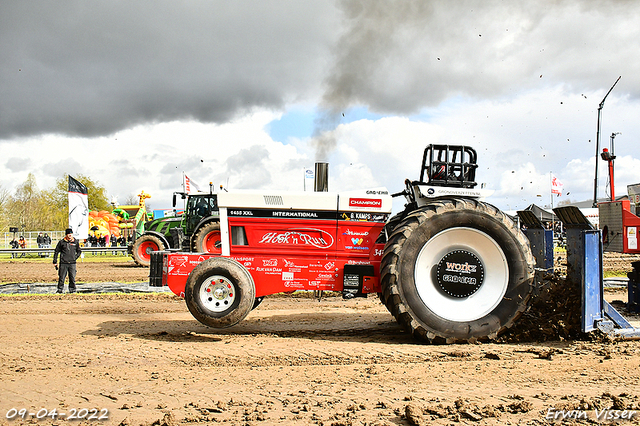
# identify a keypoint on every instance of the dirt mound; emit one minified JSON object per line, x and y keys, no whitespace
{"x":554,"y":314}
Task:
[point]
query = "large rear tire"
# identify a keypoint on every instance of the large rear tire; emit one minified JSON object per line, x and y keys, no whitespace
{"x":208,"y":239}
{"x":457,"y":270}
{"x":142,"y":248}
{"x":387,"y":231}
{"x":220,"y":292}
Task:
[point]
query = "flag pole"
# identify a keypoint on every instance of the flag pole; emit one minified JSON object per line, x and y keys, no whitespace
{"x":184,"y":191}
{"x":551,"y":187}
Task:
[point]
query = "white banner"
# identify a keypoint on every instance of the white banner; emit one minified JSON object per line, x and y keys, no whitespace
{"x":78,"y":209}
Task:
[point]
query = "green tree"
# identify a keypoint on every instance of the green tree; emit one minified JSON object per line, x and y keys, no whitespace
{"x":31,"y":209}
{"x":27,"y":209}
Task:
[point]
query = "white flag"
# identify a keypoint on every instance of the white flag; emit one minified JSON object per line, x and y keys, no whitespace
{"x":556,"y":186}
{"x":190,"y":186}
{"x":78,"y":209}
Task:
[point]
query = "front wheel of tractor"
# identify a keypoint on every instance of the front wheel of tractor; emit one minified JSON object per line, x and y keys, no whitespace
{"x":220,"y":292}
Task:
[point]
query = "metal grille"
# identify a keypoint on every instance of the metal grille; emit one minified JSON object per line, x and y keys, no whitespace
{"x":273,"y":200}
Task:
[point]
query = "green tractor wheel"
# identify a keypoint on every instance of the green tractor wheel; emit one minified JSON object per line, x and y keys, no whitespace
{"x":208,"y":239}
{"x":143,"y":247}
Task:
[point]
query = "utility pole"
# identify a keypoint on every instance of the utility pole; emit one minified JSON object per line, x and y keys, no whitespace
{"x":595,"y":181}
{"x":609,"y":157}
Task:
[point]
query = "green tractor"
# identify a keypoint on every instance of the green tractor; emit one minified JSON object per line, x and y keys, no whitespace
{"x":196,"y":230}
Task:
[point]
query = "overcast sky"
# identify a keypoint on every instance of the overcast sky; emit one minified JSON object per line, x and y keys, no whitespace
{"x":249,"y":93}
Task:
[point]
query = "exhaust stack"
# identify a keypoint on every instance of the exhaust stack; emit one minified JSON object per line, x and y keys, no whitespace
{"x":321,"y":182}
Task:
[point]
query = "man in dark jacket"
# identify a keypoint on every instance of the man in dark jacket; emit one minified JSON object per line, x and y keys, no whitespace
{"x":69,"y":250}
{"x":40,"y":241}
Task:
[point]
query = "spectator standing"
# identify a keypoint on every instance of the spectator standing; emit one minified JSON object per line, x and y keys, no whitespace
{"x":14,"y":245}
{"x":47,"y":242}
{"x":23,"y":245}
{"x":69,"y":250}
{"x":40,"y":241}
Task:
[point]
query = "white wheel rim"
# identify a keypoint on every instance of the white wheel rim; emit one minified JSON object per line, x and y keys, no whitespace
{"x":217,"y":293}
{"x":490,"y":293}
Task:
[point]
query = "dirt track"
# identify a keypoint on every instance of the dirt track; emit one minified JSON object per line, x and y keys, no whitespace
{"x":292,"y":361}
{"x":29,"y":271}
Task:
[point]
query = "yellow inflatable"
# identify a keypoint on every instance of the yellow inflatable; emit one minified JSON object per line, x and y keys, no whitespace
{"x":104,"y":223}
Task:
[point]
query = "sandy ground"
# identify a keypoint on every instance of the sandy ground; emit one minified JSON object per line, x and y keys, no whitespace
{"x":143,"y":359}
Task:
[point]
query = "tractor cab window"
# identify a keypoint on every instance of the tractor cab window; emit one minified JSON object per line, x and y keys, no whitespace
{"x":199,"y":207}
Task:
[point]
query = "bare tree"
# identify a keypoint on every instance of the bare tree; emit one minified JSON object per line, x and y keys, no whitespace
{"x":131,"y":200}
{"x":5,"y":196}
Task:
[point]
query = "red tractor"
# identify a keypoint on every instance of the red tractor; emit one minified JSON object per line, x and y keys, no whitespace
{"x":448,"y":267}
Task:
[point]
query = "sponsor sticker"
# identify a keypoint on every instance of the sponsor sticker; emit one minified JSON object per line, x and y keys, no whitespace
{"x":460,"y":273}
{"x":374,"y":203}
{"x":357,"y":233}
{"x":287,"y":276}
{"x":302,"y":237}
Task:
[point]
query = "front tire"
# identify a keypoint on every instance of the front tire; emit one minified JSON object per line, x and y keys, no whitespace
{"x":220,"y":292}
{"x":457,"y":270}
{"x":142,"y":248}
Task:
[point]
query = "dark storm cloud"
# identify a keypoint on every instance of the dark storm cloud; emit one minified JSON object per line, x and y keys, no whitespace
{"x":92,"y":67}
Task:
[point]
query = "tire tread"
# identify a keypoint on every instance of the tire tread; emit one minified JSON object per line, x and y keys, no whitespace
{"x":390,"y":281}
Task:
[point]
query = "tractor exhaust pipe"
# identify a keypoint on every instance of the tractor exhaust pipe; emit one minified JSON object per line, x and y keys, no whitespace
{"x":321,"y":182}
